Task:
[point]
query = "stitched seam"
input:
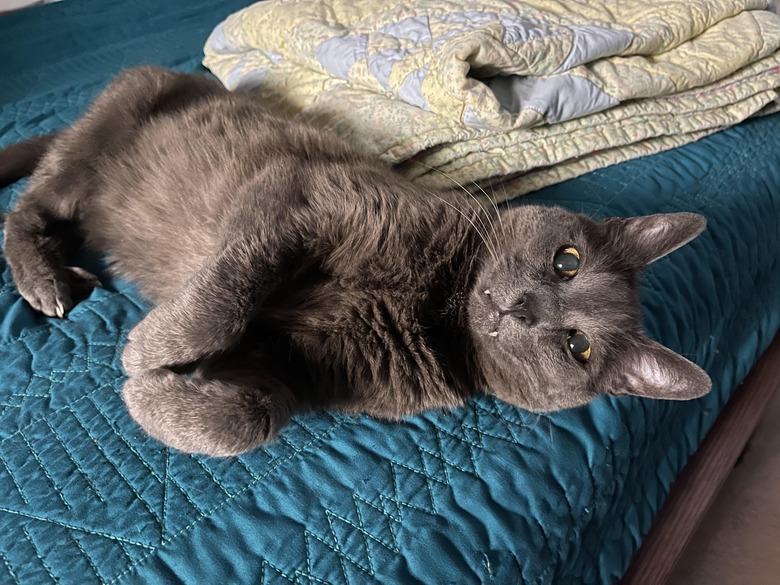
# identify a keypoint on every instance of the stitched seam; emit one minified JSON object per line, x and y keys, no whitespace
{"x":51,"y":324}
{"x":88,"y":558}
{"x":209,"y":472}
{"x":394,"y":548}
{"x":341,"y":556}
{"x":330,"y":515}
{"x":13,"y":479}
{"x":38,"y":554}
{"x":118,"y":471}
{"x":118,"y":434}
{"x":78,"y":467}
{"x":74,"y":527}
{"x":67,"y":407}
{"x":140,"y":459}
{"x":9,"y":568}
{"x":57,"y":488}
{"x":123,"y":548}
{"x":165,"y":496}
{"x":272,"y":468}
{"x":251,"y":473}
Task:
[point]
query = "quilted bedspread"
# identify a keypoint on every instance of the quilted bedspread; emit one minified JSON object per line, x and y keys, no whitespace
{"x":539,"y":89}
{"x":487,"y":493}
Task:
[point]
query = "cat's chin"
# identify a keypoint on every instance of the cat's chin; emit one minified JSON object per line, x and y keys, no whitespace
{"x":537,"y":400}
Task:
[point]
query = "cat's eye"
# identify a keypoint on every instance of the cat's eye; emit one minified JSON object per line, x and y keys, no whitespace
{"x":566,"y":262}
{"x":579,"y":346}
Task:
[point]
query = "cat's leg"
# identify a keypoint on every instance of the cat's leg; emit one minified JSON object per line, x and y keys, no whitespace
{"x":36,"y":245}
{"x":40,"y":231}
{"x":220,"y":416}
{"x":39,"y":236}
{"x":213,"y":309}
{"x":260,"y":247}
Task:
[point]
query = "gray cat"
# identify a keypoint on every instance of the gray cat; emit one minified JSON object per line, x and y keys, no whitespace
{"x":291,"y":272}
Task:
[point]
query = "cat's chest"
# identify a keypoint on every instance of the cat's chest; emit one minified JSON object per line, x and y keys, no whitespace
{"x":382,"y":319}
{"x":393,"y":337}
{"x":356,"y":308}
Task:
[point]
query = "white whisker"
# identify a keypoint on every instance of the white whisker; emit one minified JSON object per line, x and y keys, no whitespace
{"x":498,"y":212}
{"x":469,"y":193}
{"x":514,"y":227}
{"x":487,"y":231}
{"x":467,"y":218}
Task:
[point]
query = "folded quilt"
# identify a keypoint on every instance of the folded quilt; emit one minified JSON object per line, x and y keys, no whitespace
{"x":514,"y":95}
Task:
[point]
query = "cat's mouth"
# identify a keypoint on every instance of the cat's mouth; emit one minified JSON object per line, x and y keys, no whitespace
{"x":494,"y":323}
{"x":505,"y":318}
{"x":494,"y":314}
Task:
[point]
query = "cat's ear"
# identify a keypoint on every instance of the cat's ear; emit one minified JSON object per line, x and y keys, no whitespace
{"x":651,"y":370}
{"x":647,"y":238}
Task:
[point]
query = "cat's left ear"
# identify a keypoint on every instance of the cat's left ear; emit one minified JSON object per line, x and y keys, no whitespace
{"x":645,"y":239}
{"x":651,"y":370}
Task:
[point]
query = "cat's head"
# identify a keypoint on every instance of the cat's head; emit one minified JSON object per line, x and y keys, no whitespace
{"x":555,"y":311}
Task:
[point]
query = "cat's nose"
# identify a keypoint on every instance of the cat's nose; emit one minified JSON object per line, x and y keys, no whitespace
{"x":524,"y":309}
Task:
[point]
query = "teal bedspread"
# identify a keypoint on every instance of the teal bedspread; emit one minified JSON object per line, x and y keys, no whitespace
{"x":487,"y":493}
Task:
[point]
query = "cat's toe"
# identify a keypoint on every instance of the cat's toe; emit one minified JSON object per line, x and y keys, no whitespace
{"x":49,"y":296}
{"x":133,"y":358}
{"x":51,"y":292}
{"x":82,"y":281}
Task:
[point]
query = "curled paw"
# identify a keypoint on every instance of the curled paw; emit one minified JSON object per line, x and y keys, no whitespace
{"x":148,"y":347}
{"x":52,"y":293}
{"x":134,"y":359}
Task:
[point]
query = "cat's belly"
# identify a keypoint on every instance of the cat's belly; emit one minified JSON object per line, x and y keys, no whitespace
{"x":159,"y":212}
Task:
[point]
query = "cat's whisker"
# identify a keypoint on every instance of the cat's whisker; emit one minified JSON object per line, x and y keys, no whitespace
{"x":498,"y":211}
{"x":514,"y":227}
{"x":482,"y":233}
{"x":476,"y":200}
{"x":467,"y":218}
{"x":488,"y":231}
{"x":493,"y":231}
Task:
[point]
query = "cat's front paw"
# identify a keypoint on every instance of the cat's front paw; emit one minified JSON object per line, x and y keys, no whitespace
{"x":52,"y":292}
{"x":133,"y":359}
{"x":149,"y":346}
{"x":137,"y":357}
{"x":48,"y":295}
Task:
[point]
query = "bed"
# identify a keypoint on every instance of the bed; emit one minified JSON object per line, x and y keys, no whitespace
{"x":487,"y":493}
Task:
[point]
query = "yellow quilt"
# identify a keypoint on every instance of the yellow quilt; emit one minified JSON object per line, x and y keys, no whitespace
{"x":513,"y":95}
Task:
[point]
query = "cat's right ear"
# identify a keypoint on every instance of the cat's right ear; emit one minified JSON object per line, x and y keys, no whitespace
{"x":645,"y":239}
{"x":651,"y":370}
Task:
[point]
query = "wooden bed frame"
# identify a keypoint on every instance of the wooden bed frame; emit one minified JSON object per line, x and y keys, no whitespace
{"x":696,"y":487}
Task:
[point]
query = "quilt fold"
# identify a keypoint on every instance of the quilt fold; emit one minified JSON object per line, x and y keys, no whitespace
{"x":511,"y":95}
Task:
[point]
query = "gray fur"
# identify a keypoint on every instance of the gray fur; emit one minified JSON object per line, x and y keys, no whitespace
{"x":291,"y":272}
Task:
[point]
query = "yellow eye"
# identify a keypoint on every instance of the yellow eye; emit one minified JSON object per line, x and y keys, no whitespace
{"x":579,"y":346}
{"x":566,"y":262}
